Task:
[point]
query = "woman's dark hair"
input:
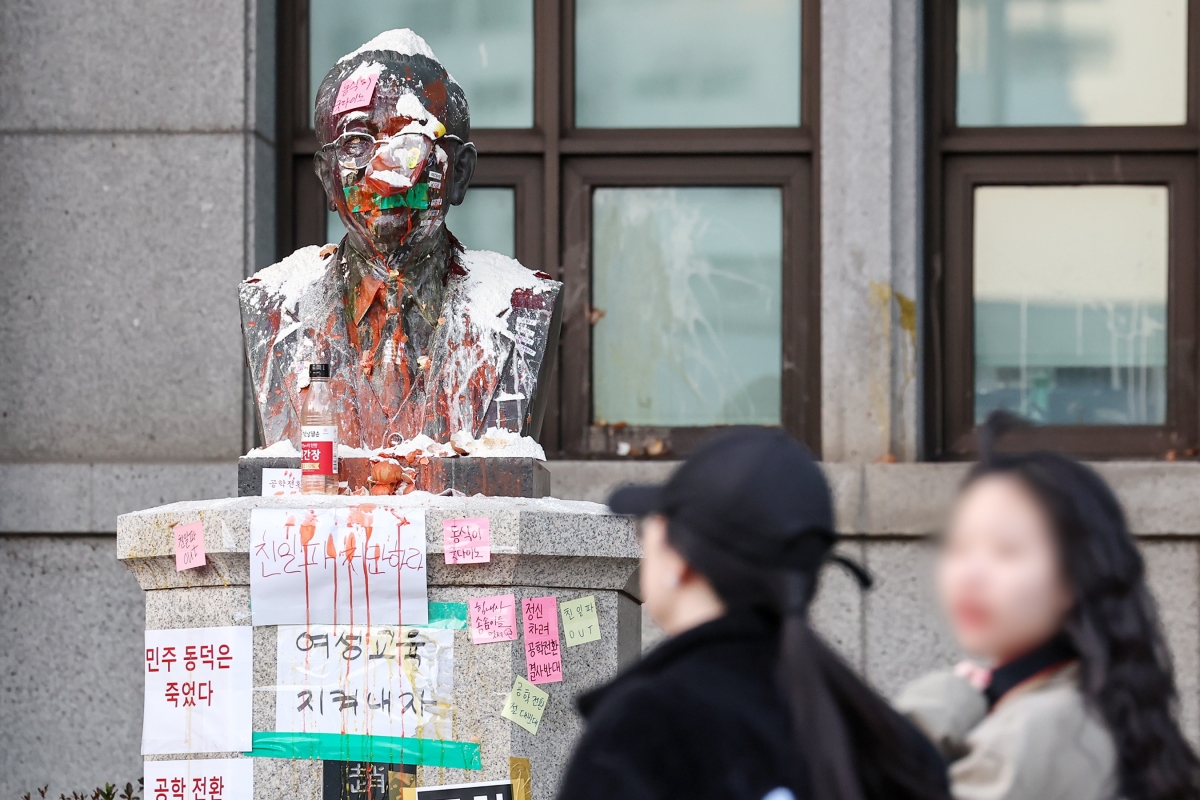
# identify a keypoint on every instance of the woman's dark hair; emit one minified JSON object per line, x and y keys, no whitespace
{"x":853,"y":744}
{"x":1126,"y":673}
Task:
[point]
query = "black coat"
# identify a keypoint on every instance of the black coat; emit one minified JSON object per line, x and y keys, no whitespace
{"x":699,"y":717}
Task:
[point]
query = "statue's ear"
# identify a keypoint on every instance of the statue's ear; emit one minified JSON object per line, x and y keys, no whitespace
{"x":323,"y":165}
{"x":465,"y":159}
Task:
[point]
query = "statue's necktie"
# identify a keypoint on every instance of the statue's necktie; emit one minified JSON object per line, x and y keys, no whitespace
{"x":381,"y":337}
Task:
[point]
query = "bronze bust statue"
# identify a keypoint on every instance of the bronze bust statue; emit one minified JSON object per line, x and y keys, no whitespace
{"x":421,"y":335}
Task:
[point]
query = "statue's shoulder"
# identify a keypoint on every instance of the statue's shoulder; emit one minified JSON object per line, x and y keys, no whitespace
{"x":489,"y":284}
{"x":492,"y":271}
{"x":283,"y":284}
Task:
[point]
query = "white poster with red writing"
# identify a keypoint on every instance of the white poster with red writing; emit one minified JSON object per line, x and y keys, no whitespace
{"x":198,"y":691}
{"x":201,"y":779}
{"x":338,"y":566}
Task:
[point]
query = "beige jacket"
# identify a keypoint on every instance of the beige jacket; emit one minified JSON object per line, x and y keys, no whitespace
{"x":1040,"y":742}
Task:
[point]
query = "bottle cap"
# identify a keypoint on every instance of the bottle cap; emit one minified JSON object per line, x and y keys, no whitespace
{"x":318,"y":370}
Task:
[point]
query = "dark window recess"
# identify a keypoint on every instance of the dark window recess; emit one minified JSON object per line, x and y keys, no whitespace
{"x":1061,"y":230}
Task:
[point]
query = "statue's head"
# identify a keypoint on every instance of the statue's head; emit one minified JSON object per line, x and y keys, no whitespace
{"x":393,"y":132}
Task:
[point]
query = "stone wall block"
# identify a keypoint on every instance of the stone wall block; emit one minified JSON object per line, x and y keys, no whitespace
{"x":118,"y":302}
{"x":72,"y":660}
{"x":906,"y":635}
{"x":837,"y":610}
{"x":122,"y":65}
{"x":1173,"y":572}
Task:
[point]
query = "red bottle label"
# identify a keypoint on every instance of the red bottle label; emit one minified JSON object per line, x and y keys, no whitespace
{"x":318,"y":450}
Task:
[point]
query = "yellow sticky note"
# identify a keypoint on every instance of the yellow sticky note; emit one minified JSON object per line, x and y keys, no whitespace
{"x":525,"y":705}
{"x":580,"y":623}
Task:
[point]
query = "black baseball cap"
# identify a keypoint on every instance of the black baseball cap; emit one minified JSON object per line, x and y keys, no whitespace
{"x":755,"y":493}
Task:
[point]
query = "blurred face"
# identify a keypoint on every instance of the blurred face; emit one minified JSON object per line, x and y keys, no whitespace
{"x":676,"y":596}
{"x":662,"y":570}
{"x":1000,"y":577}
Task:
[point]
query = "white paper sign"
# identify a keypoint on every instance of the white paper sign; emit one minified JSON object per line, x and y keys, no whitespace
{"x":201,"y":779}
{"x":198,"y":691}
{"x":381,"y":681}
{"x":333,"y":566}
{"x":492,"y":790}
{"x":280,"y":482}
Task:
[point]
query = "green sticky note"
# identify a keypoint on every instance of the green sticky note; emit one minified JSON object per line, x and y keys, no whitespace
{"x":447,"y":615}
{"x":525,"y":705}
{"x":580,"y":623}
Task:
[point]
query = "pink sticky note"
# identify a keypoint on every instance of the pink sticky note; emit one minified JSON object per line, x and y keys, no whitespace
{"x":189,"y":546}
{"x":543,"y":650}
{"x":467,"y":541}
{"x":355,"y":92}
{"x":493,"y":619}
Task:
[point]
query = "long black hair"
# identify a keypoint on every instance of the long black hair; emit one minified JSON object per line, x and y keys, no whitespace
{"x":853,"y":744}
{"x":1125,"y":667}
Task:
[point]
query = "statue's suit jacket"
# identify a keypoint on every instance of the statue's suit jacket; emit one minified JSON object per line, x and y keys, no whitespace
{"x":485,"y":358}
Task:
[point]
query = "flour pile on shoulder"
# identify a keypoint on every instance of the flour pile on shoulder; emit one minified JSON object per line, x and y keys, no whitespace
{"x":489,"y":284}
{"x":290,"y":278}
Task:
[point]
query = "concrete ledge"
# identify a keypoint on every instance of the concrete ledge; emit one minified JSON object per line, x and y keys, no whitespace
{"x":1160,"y":498}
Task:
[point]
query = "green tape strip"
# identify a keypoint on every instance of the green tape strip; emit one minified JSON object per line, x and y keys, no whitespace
{"x":378,"y":749}
{"x":416,"y":197}
{"x":450,"y":616}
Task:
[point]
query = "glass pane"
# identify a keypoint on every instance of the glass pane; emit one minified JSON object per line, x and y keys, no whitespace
{"x":487,"y":45}
{"x":1070,"y":303}
{"x":1072,"y":62}
{"x":486,"y":220}
{"x":689,"y":281}
{"x":687,"y":63}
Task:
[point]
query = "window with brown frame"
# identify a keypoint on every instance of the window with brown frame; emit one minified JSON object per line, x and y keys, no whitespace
{"x":656,"y":158}
{"x":1062,"y":156}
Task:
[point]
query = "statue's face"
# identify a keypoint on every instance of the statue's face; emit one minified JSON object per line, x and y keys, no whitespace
{"x":389,"y":168}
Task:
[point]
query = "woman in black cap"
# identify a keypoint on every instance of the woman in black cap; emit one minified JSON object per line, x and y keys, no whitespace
{"x":743,"y":701}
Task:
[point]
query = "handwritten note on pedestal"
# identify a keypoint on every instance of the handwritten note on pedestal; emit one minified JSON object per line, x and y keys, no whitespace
{"x":333,"y":566}
{"x":580,"y":623}
{"x":189,"y":546}
{"x":280,"y":482}
{"x":201,"y":779}
{"x":467,"y":541}
{"x":493,"y":619}
{"x":198,"y":690}
{"x":525,"y":705}
{"x":377,"y":680}
{"x":543,"y":650}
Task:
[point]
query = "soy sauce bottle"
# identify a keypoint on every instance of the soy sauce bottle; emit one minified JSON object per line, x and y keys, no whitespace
{"x":318,"y":435}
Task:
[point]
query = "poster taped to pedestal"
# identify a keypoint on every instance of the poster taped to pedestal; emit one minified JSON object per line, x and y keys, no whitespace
{"x":198,"y":691}
{"x":338,"y":566}
{"x":200,"y":779}
{"x":380,"y":680}
{"x":492,"y":790}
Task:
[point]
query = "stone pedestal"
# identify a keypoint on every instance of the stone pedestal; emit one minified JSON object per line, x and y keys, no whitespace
{"x":539,"y":547}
